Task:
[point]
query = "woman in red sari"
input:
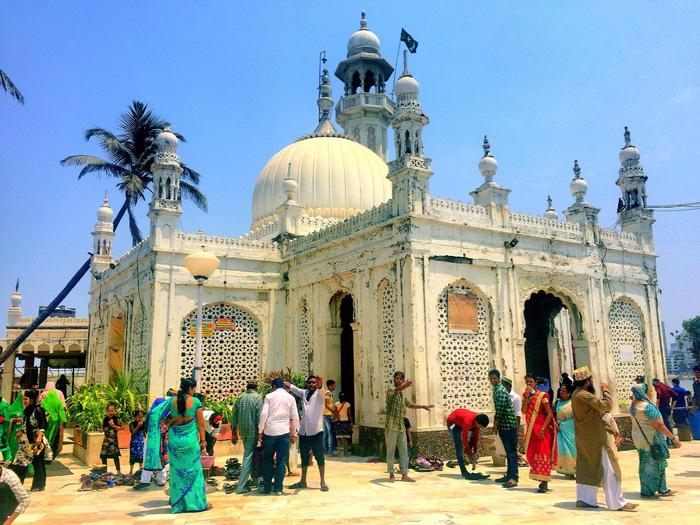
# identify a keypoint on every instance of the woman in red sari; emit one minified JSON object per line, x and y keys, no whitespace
{"x":540,"y":434}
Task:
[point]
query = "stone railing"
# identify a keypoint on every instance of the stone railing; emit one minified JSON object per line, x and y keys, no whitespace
{"x":341,"y":229}
{"x":55,"y":321}
{"x":616,"y":239}
{"x":137,"y":250}
{"x":315,"y":223}
{"x":365,"y":99}
{"x":455,"y":211}
{"x":269,"y":229}
{"x":536,"y":225}
{"x":408,"y":161}
{"x":213,"y":241}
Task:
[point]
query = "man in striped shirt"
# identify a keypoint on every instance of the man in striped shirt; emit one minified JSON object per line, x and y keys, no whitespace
{"x":14,"y":500}
{"x":505,"y":425}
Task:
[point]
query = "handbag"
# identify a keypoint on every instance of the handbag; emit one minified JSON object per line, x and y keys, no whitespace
{"x":657,"y":451}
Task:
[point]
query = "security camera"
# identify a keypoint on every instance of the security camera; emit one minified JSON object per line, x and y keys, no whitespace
{"x":512,"y":243}
{"x":113,"y":265}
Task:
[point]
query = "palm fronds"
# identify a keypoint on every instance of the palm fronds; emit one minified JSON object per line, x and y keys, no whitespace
{"x":7,"y":85}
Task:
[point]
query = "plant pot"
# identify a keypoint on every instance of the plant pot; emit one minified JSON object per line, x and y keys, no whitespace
{"x":224,"y":432}
{"x":124,"y":438}
{"x":89,"y":451}
{"x":77,"y":437}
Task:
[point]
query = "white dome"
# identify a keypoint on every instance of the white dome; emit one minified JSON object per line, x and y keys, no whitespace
{"x":629,"y":153}
{"x":406,"y":84}
{"x":363,"y":41}
{"x":15,"y":299}
{"x":578,"y":186}
{"x":551,"y":215}
{"x":488,"y":166}
{"x":104,"y":212}
{"x":332,"y":174}
{"x":166,"y":139}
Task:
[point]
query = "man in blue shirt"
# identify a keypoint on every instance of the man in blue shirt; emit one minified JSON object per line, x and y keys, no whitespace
{"x":679,"y":406}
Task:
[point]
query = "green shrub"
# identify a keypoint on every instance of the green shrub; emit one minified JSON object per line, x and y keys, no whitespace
{"x":223,"y":407}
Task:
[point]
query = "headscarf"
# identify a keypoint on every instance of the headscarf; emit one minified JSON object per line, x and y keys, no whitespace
{"x":15,"y":410}
{"x":638,"y":395}
{"x":51,"y":386}
{"x":57,"y":414}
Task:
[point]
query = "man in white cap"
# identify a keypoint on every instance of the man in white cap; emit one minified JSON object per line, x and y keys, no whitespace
{"x":595,"y":461}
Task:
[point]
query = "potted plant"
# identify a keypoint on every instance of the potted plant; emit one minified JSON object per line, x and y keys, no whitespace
{"x":124,"y":393}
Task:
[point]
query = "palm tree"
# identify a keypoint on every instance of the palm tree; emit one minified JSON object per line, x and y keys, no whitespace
{"x":130,"y":157}
{"x":8,"y":86}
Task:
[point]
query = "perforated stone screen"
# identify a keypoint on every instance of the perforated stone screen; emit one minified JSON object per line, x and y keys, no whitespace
{"x":626,"y":330}
{"x":98,"y":353}
{"x":388,"y":308}
{"x":229,"y":357}
{"x":464,"y":358}
{"x":304,"y":339}
{"x":139,"y":349}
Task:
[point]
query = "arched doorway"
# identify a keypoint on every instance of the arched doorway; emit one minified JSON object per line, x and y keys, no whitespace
{"x":341,"y":352}
{"x":549,"y":347}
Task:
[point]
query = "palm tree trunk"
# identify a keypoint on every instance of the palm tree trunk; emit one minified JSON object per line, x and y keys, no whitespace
{"x":58,"y":299}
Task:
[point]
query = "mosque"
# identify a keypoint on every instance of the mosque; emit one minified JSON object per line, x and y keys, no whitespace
{"x":352,"y":270}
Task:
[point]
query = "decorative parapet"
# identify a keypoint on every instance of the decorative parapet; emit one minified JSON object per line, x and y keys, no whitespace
{"x":408,"y":161}
{"x":269,"y":229}
{"x":455,"y":211}
{"x":240,"y":243}
{"x":316,"y":223}
{"x":130,"y":256}
{"x":636,"y":213}
{"x":341,"y":229}
{"x":365,"y":99}
{"x":56,"y":321}
{"x":614,"y":239}
{"x":536,"y":225}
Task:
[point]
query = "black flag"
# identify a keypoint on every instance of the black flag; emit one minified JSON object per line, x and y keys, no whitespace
{"x":411,"y":44}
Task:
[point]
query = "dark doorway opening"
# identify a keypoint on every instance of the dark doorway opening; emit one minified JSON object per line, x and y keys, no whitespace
{"x":540,"y":310}
{"x":347,"y":350}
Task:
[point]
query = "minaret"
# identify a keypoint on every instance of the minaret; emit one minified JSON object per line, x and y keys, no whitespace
{"x":365,"y":110}
{"x":410,"y":172}
{"x":166,"y":206}
{"x":632,"y":211}
{"x":14,"y":313}
{"x":102,"y":239}
{"x":580,"y":211}
{"x":550,"y":213}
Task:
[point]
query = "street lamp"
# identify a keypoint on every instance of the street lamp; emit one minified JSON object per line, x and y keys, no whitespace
{"x":201,"y":265}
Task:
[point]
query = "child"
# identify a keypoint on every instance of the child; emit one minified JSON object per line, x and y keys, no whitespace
{"x":342,"y":427}
{"x":110,"y":447}
{"x":137,"y":429}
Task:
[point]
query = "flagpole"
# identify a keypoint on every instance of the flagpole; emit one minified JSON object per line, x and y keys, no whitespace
{"x":396,"y":64}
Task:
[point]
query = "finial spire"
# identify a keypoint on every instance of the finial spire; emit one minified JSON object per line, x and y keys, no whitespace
{"x":627,"y":137}
{"x":363,"y":21}
{"x":166,"y":126}
{"x":549,"y":202}
{"x":106,"y":191}
{"x":289,"y":171}
{"x":405,"y":64}
{"x":577,"y":170}
{"x":487,"y":147}
{"x":17,"y":285}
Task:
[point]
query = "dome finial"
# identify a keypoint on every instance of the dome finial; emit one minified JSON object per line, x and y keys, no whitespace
{"x":487,"y":164}
{"x":325,"y":103}
{"x":487,"y":147}
{"x":550,"y":213}
{"x":578,"y":186}
{"x":549,"y":202}
{"x":363,"y":21}
{"x":17,"y":286}
{"x":627,"y":137}
{"x":405,"y":64}
{"x":577,"y":170}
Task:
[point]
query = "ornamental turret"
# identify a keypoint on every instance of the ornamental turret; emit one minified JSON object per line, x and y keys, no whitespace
{"x":365,"y":110}
{"x":632,"y":211}
{"x":166,"y":206}
{"x":102,"y":239}
{"x":580,"y":211}
{"x":14,"y":313}
{"x":550,"y":213}
{"x":490,"y":194}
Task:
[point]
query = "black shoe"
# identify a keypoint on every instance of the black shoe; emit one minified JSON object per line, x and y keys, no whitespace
{"x":504,"y":479}
{"x":142,"y":486}
{"x":479,"y":476}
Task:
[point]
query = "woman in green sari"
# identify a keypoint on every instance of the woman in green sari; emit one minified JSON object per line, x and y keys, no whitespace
{"x":186,"y":441}
{"x":56,"y":420}
{"x":13,"y":412}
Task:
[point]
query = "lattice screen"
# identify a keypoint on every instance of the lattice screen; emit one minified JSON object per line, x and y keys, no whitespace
{"x":388,"y":309}
{"x":98,"y":354}
{"x":230,"y":357}
{"x":139,"y":350}
{"x":626,"y":329}
{"x":464,"y":359}
{"x":306,"y":352}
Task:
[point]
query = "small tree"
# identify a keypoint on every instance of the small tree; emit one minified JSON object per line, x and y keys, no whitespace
{"x":691,"y":337}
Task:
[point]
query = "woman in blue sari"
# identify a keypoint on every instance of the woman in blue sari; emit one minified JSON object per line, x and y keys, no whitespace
{"x":566,"y":440}
{"x":185,"y":444}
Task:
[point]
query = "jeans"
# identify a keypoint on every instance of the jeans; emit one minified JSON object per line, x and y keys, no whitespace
{"x":396,"y":438}
{"x":509,"y":438}
{"x":680,"y":418}
{"x":274,"y":445}
{"x":249,"y":444}
{"x":459,"y":447}
{"x":328,"y":438}
{"x":665,"y":410}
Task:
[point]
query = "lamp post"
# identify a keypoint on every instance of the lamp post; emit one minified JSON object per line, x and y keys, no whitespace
{"x":201,"y":265}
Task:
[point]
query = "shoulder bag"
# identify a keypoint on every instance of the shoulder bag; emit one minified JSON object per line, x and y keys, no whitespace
{"x":657,"y":451}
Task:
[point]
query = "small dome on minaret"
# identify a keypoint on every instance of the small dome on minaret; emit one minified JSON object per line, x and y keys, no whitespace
{"x":487,"y":164}
{"x":550,"y":214}
{"x":363,"y":40}
{"x":16,"y":298}
{"x":104,"y":212}
{"x":166,"y":139}
{"x":406,"y":84}
{"x":629,"y":156}
{"x":578,"y":186}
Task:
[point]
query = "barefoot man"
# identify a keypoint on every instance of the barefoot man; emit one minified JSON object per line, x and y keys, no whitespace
{"x":394,"y":430}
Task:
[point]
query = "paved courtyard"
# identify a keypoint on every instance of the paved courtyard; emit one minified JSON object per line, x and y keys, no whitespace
{"x":360,"y":494}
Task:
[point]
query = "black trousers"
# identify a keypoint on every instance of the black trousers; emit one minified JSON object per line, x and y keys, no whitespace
{"x":211,"y":441}
{"x":39,"y":465}
{"x":8,"y":502}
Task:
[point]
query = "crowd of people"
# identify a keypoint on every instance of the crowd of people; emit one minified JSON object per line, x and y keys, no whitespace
{"x":575,"y":435}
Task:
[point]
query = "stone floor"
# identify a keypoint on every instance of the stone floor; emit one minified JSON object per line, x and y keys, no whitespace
{"x":360,"y":494}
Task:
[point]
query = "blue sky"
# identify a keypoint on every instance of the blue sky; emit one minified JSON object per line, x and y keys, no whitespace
{"x":549,"y":82}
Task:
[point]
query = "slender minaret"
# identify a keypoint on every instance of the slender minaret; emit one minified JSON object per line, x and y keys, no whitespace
{"x":632,"y":211}
{"x":410,"y":172}
{"x":580,"y":211}
{"x":102,"y":239}
{"x":490,"y":194}
{"x":14,"y":313}
{"x":365,"y":110}
{"x":166,"y":206}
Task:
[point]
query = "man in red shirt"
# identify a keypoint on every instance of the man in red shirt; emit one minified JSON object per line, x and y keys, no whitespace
{"x":461,"y":423}
{"x":664,"y":393}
